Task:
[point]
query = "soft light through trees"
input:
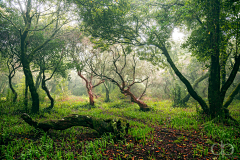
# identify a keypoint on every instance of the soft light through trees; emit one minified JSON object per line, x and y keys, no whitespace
{"x":129,"y":21}
{"x":177,"y":35}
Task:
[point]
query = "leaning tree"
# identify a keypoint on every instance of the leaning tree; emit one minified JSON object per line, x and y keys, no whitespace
{"x":122,"y":68}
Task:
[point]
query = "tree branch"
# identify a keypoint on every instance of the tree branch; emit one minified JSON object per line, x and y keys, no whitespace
{"x":231,"y":77}
{"x":143,"y":93}
{"x":44,"y":43}
{"x":231,"y":96}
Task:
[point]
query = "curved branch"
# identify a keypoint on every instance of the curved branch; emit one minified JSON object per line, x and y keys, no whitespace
{"x":231,"y":77}
{"x":200,"y":79}
{"x":143,"y":93}
{"x":184,"y":80}
{"x":231,"y":96}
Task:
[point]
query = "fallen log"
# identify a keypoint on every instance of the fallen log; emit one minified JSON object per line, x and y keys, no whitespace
{"x":117,"y":126}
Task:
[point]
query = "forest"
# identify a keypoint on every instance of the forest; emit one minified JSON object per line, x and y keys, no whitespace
{"x":119,"y":79}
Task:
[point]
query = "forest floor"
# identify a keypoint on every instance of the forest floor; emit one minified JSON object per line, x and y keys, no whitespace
{"x":164,"y":132}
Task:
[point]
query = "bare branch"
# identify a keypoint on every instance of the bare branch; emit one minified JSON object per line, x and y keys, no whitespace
{"x":116,"y":70}
{"x":80,"y":75}
{"x":104,"y":76}
{"x":125,"y":59}
{"x":100,"y":82}
{"x":22,"y":12}
{"x":137,"y":82}
{"x":143,"y":93}
{"x":231,"y":96}
{"x":44,"y":26}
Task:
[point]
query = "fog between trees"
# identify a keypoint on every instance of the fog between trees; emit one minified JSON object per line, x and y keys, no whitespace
{"x":121,"y":49}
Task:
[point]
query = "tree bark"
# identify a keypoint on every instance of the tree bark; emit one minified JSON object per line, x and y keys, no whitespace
{"x":25,"y":59}
{"x":118,"y":126}
{"x":143,"y":106}
{"x":90,"y":94}
{"x":26,"y":95}
{"x":10,"y":76}
{"x":89,"y":87}
{"x":12,"y":89}
{"x":213,"y":24}
{"x":44,"y":87}
{"x":34,"y":94}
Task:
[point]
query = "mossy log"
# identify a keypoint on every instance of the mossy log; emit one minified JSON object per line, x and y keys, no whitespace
{"x":117,"y":126}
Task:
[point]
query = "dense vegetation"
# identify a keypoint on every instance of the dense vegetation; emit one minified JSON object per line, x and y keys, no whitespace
{"x":120,"y":60}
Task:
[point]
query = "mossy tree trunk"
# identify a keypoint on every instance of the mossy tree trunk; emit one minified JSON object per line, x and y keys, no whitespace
{"x":118,"y":126}
{"x":33,"y":91}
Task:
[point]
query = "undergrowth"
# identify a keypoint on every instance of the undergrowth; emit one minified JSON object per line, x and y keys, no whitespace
{"x":151,"y":134}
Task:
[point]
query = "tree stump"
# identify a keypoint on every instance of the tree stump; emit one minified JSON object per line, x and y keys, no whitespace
{"x":117,"y":126}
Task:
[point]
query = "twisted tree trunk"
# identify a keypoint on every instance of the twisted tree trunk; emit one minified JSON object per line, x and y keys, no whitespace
{"x":143,"y":106}
{"x":118,"y":126}
{"x":44,"y":87}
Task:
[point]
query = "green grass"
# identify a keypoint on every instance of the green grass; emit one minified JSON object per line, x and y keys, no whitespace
{"x":21,"y":141}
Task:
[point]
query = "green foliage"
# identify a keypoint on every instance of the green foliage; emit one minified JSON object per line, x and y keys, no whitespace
{"x":198,"y":43}
{"x":101,"y":18}
{"x":21,"y":140}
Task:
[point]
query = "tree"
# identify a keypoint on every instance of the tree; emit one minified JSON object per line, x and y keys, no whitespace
{"x":135,"y":23}
{"x":50,"y":60}
{"x":90,"y":86}
{"x":79,"y":48}
{"x":28,"y":22}
{"x":56,"y":64}
{"x":118,"y":74}
{"x":8,"y":49}
{"x":117,"y":126}
{"x":12,"y":70}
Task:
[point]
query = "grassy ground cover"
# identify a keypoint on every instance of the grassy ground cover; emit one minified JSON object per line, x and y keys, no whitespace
{"x":162,"y":133}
